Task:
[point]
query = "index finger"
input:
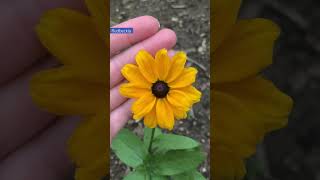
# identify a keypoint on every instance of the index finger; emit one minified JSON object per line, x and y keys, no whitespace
{"x":143,"y":27}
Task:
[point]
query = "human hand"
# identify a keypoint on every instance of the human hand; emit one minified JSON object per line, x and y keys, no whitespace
{"x":123,"y":48}
{"x":32,"y":142}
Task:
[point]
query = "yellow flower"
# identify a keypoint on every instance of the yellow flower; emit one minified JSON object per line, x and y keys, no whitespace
{"x":79,"y":86}
{"x":245,"y":106}
{"x":161,"y":86}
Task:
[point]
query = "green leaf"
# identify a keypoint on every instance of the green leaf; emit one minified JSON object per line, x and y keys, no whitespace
{"x":176,"y":161}
{"x":143,"y":175}
{"x":129,"y":148}
{"x":165,"y":142}
{"x":147,"y":135}
{"x":198,"y":176}
{"x":192,"y":175}
{"x":159,"y":178}
{"x":135,"y":175}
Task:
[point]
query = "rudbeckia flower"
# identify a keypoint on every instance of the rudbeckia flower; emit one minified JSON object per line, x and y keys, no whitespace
{"x":245,"y":105}
{"x":79,"y":86}
{"x":162,"y":87}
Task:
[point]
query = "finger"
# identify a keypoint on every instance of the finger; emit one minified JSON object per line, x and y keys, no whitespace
{"x":19,"y":45}
{"x":115,"y":98}
{"x":20,"y":118}
{"x":44,"y":157}
{"x":165,"y":38}
{"x":119,"y":117}
{"x":143,"y":27}
{"x":171,"y":53}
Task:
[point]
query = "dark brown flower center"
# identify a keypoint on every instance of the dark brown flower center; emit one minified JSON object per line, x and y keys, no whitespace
{"x":160,"y":89}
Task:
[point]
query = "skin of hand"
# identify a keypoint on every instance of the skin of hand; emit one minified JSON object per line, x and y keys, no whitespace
{"x":33,"y":142}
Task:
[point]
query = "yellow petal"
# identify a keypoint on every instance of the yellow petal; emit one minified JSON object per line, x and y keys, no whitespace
{"x":259,"y":95}
{"x":186,"y":78}
{"x":132,"y":74}
{"x":179,"y":99}
{"x":162,"y":64}
{"x":224,"y":14}
{"x":238,"y":126}
{"x":226,"y":164}
{"x":130,"y":90}
{"x":247,"y":50}
{"x":237,"y":132}
{"x":95,"y":171}
{"x":191,"y":93}
{"x":165,"y":117}
{"x":98,"y":10}
{"x":146,"y":64}
{"x":150,"y":120}
{"x":71,"y":37}
{"x":61,"y":92}
{"x":179,"y":113}
{"x":69,"y":73}
{"x":88,"y":147}
{"x":177,"y":66}
{"x":143,"y":106}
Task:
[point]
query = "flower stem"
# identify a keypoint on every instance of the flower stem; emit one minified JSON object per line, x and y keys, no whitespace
{"x":151,"y":140}
{"x":150,"y":146}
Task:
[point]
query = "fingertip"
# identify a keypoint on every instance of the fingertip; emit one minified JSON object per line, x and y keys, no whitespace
{"x":147,"y":25}
{"x":171,"y":53}
{"x":151,"y":19}
{"x":143,"y":28}
{"x":169,"y":37}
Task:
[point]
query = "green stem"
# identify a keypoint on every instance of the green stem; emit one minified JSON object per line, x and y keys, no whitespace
{"x":151,"y":140}
{"x":150,"y":147}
